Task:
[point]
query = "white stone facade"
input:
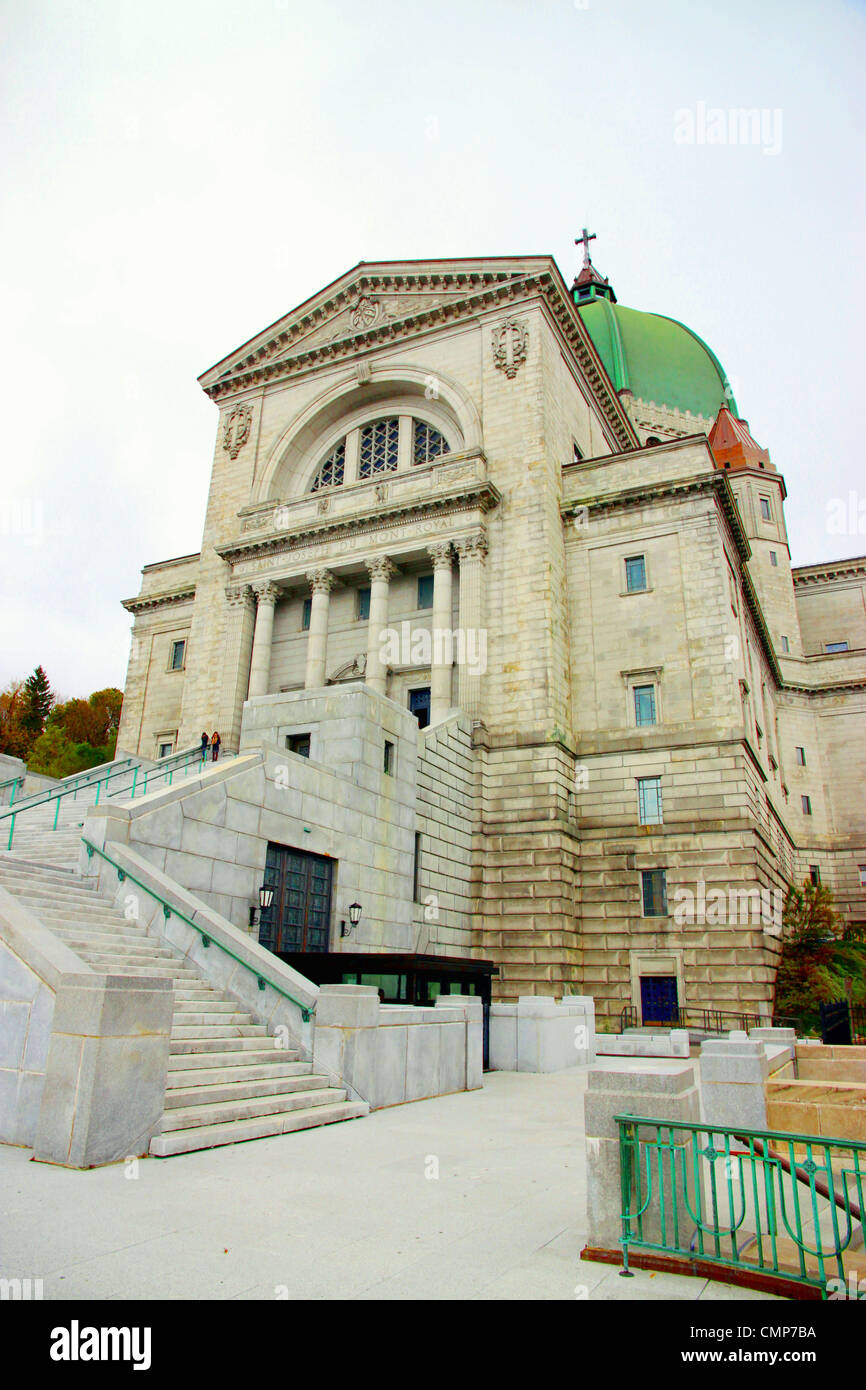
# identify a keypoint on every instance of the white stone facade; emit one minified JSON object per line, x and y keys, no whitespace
{"x":524,"y":789}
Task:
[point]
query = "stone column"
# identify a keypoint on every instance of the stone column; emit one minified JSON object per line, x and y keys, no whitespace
{"x":380,"y":571}
{"x":260,"y":665}
{"x":238,"y":641}
{"x":442,"y":659}
{"x":471,"y":551}
{"x":321,"y":582}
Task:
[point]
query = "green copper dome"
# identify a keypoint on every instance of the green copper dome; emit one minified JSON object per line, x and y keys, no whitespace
{"x":656,"y":358}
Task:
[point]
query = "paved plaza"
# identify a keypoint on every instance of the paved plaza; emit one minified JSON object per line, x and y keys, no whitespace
{"x":479,"y":1195}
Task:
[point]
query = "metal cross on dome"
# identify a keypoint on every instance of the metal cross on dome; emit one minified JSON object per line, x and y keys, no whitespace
{"x":584,"y":241}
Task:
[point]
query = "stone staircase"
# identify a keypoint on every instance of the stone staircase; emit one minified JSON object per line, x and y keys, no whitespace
{"x":227,"y":1079}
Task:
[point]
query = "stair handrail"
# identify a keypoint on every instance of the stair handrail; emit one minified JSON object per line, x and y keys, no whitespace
{"x":168,"y":910}
{"x":57,"y":793}
{"x":14,"y":783}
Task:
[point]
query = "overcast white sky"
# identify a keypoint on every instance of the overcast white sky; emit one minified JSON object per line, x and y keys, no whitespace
{"x":179,"y":175}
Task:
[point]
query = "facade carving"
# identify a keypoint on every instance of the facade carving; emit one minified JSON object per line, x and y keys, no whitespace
{"x":510,"y":340}
{"x":236,"y":430}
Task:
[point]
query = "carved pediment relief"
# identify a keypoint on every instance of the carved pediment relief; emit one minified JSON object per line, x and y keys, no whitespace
{"x":365,"y":312}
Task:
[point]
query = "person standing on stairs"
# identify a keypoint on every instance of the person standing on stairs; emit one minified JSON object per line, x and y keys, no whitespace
{"x":215,"y":745}
{"x":204,"y":743}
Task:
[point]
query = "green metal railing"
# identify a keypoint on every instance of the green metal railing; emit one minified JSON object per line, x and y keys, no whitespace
{"x":788,"y":1205}
{"x":165,"y":769}
{"x":169,"y":911}
{"x":14,"y":783}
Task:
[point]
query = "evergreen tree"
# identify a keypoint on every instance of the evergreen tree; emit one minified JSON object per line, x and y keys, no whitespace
{"x":37,"y":697}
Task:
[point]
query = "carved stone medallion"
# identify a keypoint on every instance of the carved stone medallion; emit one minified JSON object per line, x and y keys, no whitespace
{"x":236,"y":430}
{"x":509,"y":346}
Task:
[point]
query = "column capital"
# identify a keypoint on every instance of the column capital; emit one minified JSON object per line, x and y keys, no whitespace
{"x":266,"y":591}
{"x":321,"y":581}
{"x":380,"y":568}
{"x":239,"y":595}
{"x":472,"y":547}
{"x":441,"y":555}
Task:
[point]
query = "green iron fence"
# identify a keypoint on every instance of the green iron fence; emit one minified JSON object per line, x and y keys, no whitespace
{"x":788,"y":1205}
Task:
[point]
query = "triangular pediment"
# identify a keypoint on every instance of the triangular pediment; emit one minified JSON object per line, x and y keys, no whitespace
{"x":369,"y":301}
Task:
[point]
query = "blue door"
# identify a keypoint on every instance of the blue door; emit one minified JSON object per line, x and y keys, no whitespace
{"x":658,"y":999}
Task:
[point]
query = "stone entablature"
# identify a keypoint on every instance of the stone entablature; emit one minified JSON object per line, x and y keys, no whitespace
{"x":288,"y":559}
{"x":842,"y":571}
{"x":458,"y":479}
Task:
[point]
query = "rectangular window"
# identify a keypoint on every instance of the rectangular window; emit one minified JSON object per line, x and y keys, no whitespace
{"x":649,"y":800}
{"x":800,"y":755}
{"x":419,"y":704}
{"x":165,"y":749}
{"x":862,"y":871}
{"x":425,"y":591}
{"x":177,"y":654}
{"x":835,"y":646}
{"x":388,"y":759}
{"x":806,"y":803}
{"x":298,"y":743}
{"x":416,"y":869}
{"x":644,"y":704}
{"x":814,"y":875}
{"x":786,"y":646}
{"x":635,"y":574}
{"x":655,"y":892}
{"x":765,"y":509}
{"x":363,"y":605}
{"x":774,"y":559}
{"x":307,"y":614}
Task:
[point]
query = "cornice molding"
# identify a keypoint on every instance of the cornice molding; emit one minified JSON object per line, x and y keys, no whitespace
{"x":829,"y":573}
{"x":144,"y":603}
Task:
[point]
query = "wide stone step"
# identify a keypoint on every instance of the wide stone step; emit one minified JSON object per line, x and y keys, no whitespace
{"x":115,"y":965}
{"x":221,"y":1112}
{"x":83,"y":908}
{"x":126,"y":956}
{"x":28,"y":876}
{"x":205,"y":1079}
{"x":213,"y":1136}
{"x":212,"y":1007}
{"x":186,"y":1058}
{"x":240,"y":1042}
{"x":227,"y":1091}
{"x":110,"y":943}
{"x":211,"y":1020}
{"x":182,"y":1031}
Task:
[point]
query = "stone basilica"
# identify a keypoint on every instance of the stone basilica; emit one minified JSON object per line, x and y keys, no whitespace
{"x":496,"y":580}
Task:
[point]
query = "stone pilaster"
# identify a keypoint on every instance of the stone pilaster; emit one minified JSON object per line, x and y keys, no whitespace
{"x":322,"y":582}
{"x":260,"y":666}
{"x":442,"y":662}
{"x":471,"y":551}
{"x":380,"y":571}
{"x":240,"y":620}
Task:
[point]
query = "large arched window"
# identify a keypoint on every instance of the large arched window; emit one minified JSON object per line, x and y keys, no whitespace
{"x":377,"y":447}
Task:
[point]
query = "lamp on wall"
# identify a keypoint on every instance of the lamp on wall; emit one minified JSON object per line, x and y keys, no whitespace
{"x":266,"y":897}
{"x":354,"y":919}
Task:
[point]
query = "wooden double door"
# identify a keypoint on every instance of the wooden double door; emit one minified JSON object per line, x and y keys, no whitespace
{"x":299,"y":919}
